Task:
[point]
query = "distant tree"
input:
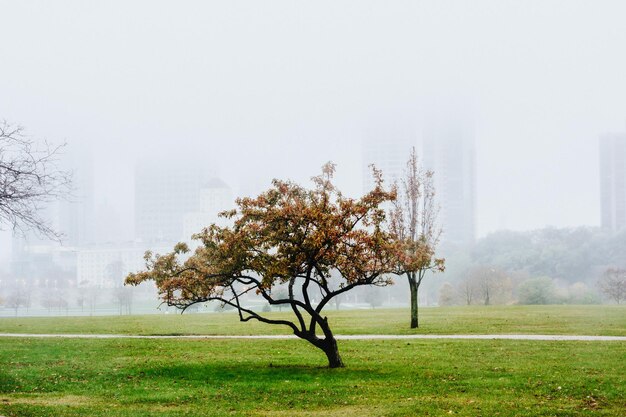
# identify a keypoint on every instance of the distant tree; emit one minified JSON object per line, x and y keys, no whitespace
{"x":494,"y":285}
{"x":413,"y":223}
{"x":123,"y":296}
{"x":613,"y":284}
{"x":53,"y":299}
{"x":447,"y":295}
{"x":27,"y":297}
{"x":373,"y":297}
{"x":467,"y":288}
{"x":283,"y":293}
{"x":511,"y":251}
{"x":47,"y":301}
{"x":90,"y":295}
{"x":538,"y":290}
{"x":62,"y":303}
{"x":81,"y":298}
{"x":337,"y":301}
{"x":93,"y":294}
{"x":29,"y":179}
{"x":486,"y":285}
{"x":580,"y":293}
{"x":289,"y":236}
{"x":569,"y":254}
{"x":18,"y":297}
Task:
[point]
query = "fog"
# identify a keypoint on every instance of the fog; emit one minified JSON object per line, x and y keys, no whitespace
{"x":273,"y":89}
{"x":261,"y":90}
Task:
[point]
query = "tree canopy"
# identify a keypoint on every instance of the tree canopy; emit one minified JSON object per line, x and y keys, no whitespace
{"x":288,"y":236}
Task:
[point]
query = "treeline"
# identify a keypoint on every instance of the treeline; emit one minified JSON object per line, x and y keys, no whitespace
{"x":573,"y":255}
{"x":545,"y":266}
{"x":24,"y":299}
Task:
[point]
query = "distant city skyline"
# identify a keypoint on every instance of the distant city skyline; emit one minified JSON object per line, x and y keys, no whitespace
{"x":274,"y":90}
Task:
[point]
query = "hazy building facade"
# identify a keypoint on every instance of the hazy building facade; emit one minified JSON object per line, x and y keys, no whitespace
{"x":215,"y":196}
{"x":164,"y":194}
{"x":388,"y":150}
{"x":106,"y":266}
{"x":76,"y":217}
{"x":448,"y":149}
{"x":444,"y":145}
{"x":613,"y":181}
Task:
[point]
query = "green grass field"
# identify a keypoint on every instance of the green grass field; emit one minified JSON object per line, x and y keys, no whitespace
{"x":122,"y":377}
{"x":583,"y":320}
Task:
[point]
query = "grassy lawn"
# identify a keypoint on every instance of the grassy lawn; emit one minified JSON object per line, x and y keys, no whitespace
{"x":73,"y":377}
{"x":583,"y":320}
{"x":125,"y":377}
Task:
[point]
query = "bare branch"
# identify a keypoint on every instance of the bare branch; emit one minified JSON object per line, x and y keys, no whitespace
{"x":29,"y":180}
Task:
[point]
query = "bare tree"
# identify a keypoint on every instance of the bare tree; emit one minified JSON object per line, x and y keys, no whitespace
{"x":413,"y":222}
{"x":613,"y":284}
{"x":486,"y":285}
{"x":29,"y":179}
{"x":495,"y":286}
{"x":93,"y":294}
{"x":19,"y":297}
{"x":123,"y":296}
{"x":81,"y":298}
{"x":468,"y":290}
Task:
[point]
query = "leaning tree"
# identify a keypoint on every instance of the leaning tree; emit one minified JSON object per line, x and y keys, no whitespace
{"x":288,"y":236}
{"x":413,"y":223}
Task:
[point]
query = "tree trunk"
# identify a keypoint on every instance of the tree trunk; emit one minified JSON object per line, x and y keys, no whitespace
{"x":332,"y":353}
{"x":414,"y":306}
{"x":487,"y":300}
{"x":329,"y":345}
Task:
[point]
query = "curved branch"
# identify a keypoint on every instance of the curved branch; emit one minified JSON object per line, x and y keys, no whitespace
{"x":251,"y":314}
{"x":294,"y":306}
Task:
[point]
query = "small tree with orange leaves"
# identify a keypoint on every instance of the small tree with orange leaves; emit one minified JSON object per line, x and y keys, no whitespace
{"x":413,"y":223}
{"x":287,"y":236}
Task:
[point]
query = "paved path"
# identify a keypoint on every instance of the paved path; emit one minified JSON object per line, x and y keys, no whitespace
{"x":340,"y":337}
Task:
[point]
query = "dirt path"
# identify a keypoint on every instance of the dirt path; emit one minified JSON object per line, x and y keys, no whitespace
{"x":339,"y":337}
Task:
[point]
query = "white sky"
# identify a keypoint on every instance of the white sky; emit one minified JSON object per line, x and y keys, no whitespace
{"x":275,"y":88}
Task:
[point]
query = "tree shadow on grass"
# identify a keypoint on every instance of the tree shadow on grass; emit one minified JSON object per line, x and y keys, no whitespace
{"x":288,"y":379}
{"x":249,"y":371}
{"x":279,"y":386}
{"x":8,"y":384}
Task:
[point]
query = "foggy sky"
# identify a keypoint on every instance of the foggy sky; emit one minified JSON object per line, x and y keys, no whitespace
{"x":274,"y":89}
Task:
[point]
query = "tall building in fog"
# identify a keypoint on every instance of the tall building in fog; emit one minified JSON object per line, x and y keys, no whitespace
{"x":446,"y":146}
{"x":448,"y":150}
{"x":76,"y":216}
{"x":164,"y":194}
{"x":215,"y":196}
{"x":613,"y":181}
{"x":388,"y":149}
